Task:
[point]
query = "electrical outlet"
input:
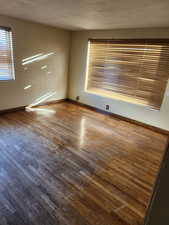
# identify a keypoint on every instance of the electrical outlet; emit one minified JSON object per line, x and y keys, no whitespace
{"x":107,"y":107}
{"x":77,"y":98}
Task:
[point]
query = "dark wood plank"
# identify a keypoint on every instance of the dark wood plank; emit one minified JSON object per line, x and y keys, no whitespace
{"x":66,"y":164}
{"x":156,"y":129}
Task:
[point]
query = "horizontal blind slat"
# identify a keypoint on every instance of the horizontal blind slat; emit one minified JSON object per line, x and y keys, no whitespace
{"x":6,"y":61}
{"x":139,"y":69}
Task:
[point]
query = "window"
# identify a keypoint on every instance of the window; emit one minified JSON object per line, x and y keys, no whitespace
{"x":131,"y":70}
{"x":6,"y":54}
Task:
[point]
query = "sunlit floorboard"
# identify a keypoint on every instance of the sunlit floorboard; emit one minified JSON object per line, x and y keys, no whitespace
{"x":66,"y":164}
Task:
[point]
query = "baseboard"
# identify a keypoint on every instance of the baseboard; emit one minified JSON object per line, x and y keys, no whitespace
{"x":156,"y":129}
{"x":49,"y":102}
{"x":24,"y":107}
{"x":12,"y":109}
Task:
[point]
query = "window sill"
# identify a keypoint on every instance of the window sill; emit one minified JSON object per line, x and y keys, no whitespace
{"x":119,"y":97}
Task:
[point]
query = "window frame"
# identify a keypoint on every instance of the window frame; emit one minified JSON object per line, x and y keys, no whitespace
{"x":12,"y":76}
{"x":114,"y":95}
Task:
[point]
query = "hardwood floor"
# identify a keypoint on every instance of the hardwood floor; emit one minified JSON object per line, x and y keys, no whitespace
{"x":65,"y":164}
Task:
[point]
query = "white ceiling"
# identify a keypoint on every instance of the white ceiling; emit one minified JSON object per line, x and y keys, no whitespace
{"x":90,"y":14}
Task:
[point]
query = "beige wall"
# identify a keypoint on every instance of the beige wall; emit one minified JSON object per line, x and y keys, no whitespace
{"x":78,"y":72}
{"x":31,"y":39}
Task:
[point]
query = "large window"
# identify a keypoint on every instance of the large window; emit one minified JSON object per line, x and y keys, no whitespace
{"x":130,"y":70}
{"x":6,"y":54}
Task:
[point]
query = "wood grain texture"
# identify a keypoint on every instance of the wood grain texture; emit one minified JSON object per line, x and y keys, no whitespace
{"x":148,"y":126}
{"x":65,"y":164}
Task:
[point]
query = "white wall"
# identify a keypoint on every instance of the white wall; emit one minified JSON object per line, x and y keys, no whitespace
{"x":78,"y":71}
{"x":31,"y":39}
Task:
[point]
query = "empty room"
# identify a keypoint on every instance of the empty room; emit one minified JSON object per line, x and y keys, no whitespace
{"x":84,"y":112}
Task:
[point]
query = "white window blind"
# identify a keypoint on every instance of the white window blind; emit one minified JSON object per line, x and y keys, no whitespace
{"x":134,"y":70}
{"x":6,"y":54}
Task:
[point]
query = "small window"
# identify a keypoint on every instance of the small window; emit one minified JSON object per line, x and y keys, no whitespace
{"x":136,"y":71}
{"x":6,"y":54}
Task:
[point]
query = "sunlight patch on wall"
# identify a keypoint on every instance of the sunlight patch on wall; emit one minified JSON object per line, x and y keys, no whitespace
{"x":27,"y":87}
{"x":44,"y":67}
{"x":36,"y":58}
{"x":32,"y":57}
{"x":42,"y":99}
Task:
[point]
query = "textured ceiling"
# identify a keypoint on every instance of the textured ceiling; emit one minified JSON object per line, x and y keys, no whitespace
{"x":90,"y":14}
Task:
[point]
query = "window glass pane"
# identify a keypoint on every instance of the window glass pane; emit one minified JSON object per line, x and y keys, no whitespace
{"x":6,"y":55}
{"x":133,"y":70}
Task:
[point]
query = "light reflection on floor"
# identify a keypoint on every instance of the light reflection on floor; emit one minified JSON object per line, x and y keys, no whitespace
{"x":41,"y":110}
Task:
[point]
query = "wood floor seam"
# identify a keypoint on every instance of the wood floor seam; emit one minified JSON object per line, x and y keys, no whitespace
{"x":65,"y":164}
